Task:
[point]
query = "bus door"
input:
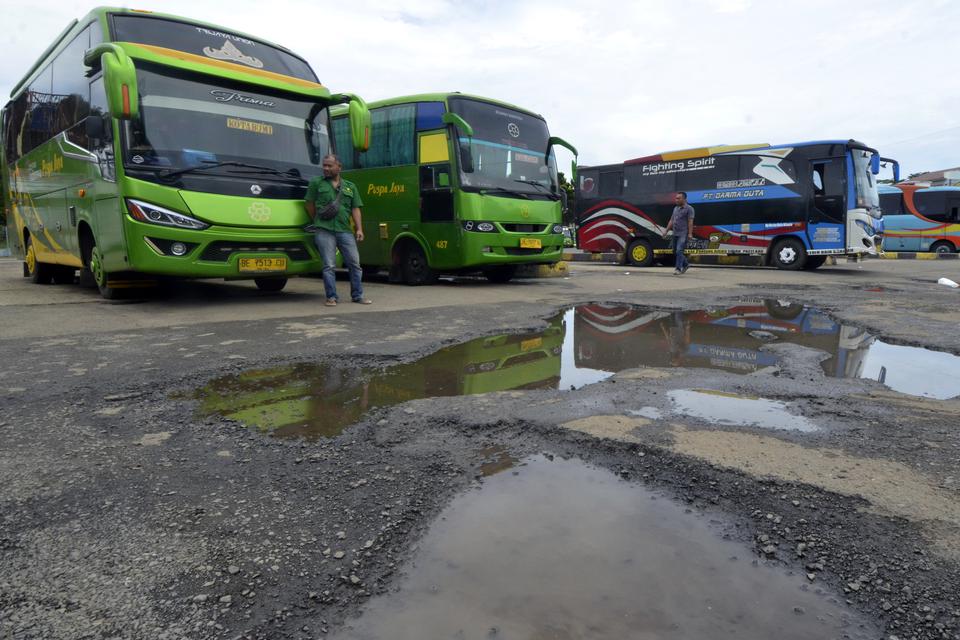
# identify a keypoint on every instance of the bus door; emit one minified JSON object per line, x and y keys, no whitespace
{"x":439,"y":227}
{"x":826,"y":215}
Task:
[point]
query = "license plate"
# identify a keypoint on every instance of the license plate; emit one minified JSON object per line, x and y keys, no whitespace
{"x":530,"y":243}
{"x":260,"y":265}
{"x":532,"y":343}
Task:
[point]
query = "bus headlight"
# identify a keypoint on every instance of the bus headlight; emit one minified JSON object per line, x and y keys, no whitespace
{"x":558,"y":228}
{"x":152,"y":214}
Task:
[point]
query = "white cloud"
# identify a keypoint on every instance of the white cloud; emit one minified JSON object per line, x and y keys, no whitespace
{"x":619,"y":80}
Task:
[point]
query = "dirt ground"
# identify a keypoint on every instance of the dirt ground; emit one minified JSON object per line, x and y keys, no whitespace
{"x":128,"y":513}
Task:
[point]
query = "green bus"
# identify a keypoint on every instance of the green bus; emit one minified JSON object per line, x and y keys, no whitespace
{"x":455,"y":183}
{"x":142,"y":145}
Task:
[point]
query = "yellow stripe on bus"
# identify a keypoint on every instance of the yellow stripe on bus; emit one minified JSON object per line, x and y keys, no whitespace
{"x":231,"y":66}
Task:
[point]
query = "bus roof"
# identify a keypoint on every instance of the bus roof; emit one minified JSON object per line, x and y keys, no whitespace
{"x":99,"y":14}
{"x":701,"y":152}
{"x":442,"y":97}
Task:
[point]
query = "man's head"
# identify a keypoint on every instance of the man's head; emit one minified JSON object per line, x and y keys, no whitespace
{"x":680,"y":198}
{"x":331,"y":166}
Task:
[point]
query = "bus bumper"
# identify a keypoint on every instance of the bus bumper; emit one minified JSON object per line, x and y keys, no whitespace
{"x":494,"y":249}
{"x":217,"y":252}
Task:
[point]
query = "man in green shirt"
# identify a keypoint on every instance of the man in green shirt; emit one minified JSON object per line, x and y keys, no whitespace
{"x":335,"y":232}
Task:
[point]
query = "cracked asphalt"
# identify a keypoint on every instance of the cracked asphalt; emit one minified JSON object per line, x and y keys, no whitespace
{"x":126,"y":513}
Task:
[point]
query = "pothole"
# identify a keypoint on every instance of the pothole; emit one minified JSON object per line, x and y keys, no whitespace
{"x":580,"y":346}
{"x":560,"y":549}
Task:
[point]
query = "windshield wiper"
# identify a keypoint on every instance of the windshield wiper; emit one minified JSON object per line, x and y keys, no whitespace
{"x":548,"y":192}
{"x":513,"y":192}
{"x":207,"y":164}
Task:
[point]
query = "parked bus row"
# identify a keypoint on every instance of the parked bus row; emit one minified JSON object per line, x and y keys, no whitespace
{"x":143,"y":145}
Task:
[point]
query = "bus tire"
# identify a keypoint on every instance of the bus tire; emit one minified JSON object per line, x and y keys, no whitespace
{"x":100,"y":277}
{"x":38,"y":272}
{"x":789,"y":254}
{"x":639,"y":253}
{"x":814,"y":262}
{"x":416,"y":269}
{"x":270,"y":285}
{"x":500,"y":274}
{"x":942,"y":246}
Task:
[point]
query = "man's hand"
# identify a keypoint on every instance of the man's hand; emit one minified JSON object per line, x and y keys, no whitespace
{"x":359,"y":235}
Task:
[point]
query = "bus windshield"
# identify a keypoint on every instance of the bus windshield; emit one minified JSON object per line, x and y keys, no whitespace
{"x":508,"y":149}
{"x":865,"y":182}
{"x":189,"y":121}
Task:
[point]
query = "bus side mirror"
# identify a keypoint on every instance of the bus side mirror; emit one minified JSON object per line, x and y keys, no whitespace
{"x":896,"y":168}
{"x":360,"y":125}
{"x":875,"y":164}
{"x":466,"y":157}
{"x":359,"y":117}
{"x":560,"y":142}
{"x":120,"y":79}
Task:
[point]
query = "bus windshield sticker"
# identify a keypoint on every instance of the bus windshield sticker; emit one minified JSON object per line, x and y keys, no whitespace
{"x":231,"y":53}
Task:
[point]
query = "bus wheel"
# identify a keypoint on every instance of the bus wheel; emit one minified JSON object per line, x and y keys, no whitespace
{"x":100,"y":277}
{"x":416,"y":269}
{"x":942,"y":247}
{"x":814,"y":262}
{"x":789,"y":254}
{"x":640,"y":253}
{"x":270,"y":285}
{"x":38,"y":272}
{"x":500,"y":274}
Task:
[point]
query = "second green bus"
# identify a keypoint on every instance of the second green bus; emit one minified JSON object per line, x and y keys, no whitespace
{"x":455,"y":183}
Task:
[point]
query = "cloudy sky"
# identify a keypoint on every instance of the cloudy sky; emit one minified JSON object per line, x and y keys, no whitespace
{"x":616,"y":79}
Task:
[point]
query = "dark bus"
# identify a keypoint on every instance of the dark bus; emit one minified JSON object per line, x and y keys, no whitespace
{"x":792,"y":205}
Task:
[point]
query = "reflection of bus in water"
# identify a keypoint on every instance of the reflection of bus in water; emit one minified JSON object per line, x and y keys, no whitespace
{"x":618,"y":337}
{"x":317,"y":400}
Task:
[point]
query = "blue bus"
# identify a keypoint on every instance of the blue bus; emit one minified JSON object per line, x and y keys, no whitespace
{"x":793,"y":205}
{"x":920,"y":218}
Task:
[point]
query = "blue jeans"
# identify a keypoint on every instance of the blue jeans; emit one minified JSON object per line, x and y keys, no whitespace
{"x":327,"y":244}
{"x":679,"y":246}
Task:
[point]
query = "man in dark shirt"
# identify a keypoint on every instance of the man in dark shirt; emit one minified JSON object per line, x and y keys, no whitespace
{"x":682,"y":224}
{"x":335,"y":232}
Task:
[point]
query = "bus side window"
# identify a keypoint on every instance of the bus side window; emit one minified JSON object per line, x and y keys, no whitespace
{"x":953,"y":209}
{"x":932,"y":205}
{"x":102,"y":147}
{"x":817,"y":178}
{"x":829,"y":189}
{"x":611,"y":183}
{"x":891,"y":204}
{"x":342,"y":143}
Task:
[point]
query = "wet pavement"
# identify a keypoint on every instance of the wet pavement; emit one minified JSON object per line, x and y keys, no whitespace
{"x":580,"y":346}
{"x":558,"y":549}
{"x":718,"y":407}
{"x":125,"y":514}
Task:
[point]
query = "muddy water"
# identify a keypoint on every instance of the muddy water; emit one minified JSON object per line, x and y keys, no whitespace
{"x":580,"y":346}
{"x":563,"y":550}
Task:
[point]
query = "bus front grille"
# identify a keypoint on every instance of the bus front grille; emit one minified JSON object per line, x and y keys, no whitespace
{"x":516,"y":251}
{"x":523,"y":228}
{"x":221,"y":250}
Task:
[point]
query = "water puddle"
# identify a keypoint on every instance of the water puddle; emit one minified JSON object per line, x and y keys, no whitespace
{"x":563,"y":550}
{"x":580,"y":346}
{"x":722,"y":408}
